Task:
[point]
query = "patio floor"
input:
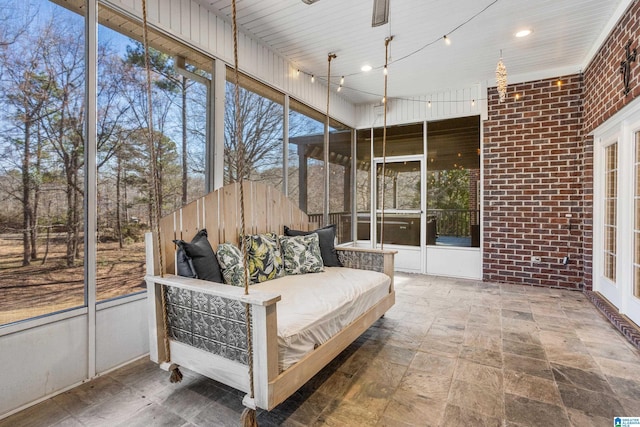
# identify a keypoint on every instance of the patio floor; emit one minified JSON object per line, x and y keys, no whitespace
{"x":449,"y":353}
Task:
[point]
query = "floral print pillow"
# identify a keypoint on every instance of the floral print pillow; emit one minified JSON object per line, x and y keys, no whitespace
{"x":230,"y":260}
{"x":264,"y":258}
{"x":301,"y":254}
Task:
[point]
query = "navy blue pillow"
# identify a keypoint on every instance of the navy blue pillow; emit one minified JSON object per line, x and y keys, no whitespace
{"x":326,"y":237}
{"x":202,"y":257}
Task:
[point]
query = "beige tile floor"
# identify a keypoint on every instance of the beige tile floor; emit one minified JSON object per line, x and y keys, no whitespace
{"x":449,"y":353}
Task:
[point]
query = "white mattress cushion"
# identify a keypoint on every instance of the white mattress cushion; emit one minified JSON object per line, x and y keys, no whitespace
{"x":316,"y":306}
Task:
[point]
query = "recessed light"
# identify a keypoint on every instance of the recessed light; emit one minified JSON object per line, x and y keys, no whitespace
{"x":523,"y":33}
{"x":366,"y":68}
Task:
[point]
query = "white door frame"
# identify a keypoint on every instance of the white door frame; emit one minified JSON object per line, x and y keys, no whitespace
{"x":403,"y":250}
{"x":608,"y":288}
{"x":622,"y":129}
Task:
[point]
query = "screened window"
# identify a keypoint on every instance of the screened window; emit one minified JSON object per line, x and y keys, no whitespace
{"x":262,"y":119}
{"x":453,"y":182}
{"x":340,"y":180}
{"x":610,"y":204}
{"x":179,"y":96}
{"x":306,"y":159}
{"x":42,"y":171}
{"x":363,"y":183}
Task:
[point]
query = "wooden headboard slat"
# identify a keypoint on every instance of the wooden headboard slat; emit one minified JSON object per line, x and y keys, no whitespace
{"x":266,"y":209}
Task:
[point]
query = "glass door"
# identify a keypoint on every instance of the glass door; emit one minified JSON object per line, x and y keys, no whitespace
{"x":633,"y":297}
{"x":608,"y":247}
{"x":398,"y":201}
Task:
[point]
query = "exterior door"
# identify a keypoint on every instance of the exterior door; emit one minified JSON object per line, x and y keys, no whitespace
{"x":631,"y":298}
{"x":607,"y":247}
{"x":399,"y":218}
{"x":617,"y":217}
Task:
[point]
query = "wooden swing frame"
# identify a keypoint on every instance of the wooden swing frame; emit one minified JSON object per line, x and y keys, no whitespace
{"x":267,"y":210}
{"x":265,"y":386}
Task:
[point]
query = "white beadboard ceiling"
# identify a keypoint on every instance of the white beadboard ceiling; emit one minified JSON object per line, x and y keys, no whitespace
{"x":566,"y":34}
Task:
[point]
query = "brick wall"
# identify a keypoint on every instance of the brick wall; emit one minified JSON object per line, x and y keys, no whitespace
{"x":603,"y":97}
{"x":533,"y":158}
{"x":603,"y":84}
{"x":539,"y":166}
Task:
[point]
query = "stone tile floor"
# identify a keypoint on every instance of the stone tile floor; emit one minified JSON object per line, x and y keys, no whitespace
{"x":449,"y":353}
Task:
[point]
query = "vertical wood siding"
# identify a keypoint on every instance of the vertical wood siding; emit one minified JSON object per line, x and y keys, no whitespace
{"x":444,"y":104}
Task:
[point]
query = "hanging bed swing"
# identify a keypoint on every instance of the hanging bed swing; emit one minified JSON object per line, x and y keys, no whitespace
{"x":266,"y":339}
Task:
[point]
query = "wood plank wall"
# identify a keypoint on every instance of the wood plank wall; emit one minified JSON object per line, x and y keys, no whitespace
{"x":266,"y":210}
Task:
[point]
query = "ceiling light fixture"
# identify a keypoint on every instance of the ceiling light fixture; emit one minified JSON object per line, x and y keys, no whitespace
{"x":447,"y":40}
{"x":523,"y":33}
{"x":313,"y":78}
{"x":309,"y":1}
{"x":366,"y":68}
{"x":385,"y":71}
{"x":341,"y":80}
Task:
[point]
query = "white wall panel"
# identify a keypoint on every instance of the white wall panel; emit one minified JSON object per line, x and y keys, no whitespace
{"x":444,"y":105}
{"x":43,"y":360}
{"x":174,"y":14}
{"x":454,"y":262}
{"x":122,"y":334}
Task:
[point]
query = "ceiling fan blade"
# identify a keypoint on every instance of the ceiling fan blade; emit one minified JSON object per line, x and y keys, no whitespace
{"x":380,"y":12}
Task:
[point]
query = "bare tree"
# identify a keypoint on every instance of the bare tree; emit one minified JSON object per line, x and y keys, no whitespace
{"x":169,"y":196}
{"x":169,"y":82}
{"x":28,"y":90}
{"x":64,"y":127}
{"x":262,"y":121}
{"x":14,"y":22}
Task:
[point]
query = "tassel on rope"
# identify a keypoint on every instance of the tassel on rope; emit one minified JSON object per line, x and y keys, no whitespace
{"x":176,"y":375}
{"x":248,"y":418}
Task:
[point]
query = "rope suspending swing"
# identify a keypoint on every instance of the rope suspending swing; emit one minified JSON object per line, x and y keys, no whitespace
{"x":384,"y":138}
{"x":156,"y":211}
{"x":248,"y":418}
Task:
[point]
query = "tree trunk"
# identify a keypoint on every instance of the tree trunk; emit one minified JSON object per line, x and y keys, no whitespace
{"x":36,"y":199}
{"x":26,"y":195}
{"x":48,"y":238}
{"x":118,"y":216}
{"x":184,"y":140}
{"x":77,"y":208}
{"x":70,"y":254}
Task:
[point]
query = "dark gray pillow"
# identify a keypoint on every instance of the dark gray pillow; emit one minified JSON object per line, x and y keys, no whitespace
{"x":202,"y":257}
{"x":326,"y":237}
{"x":184,"y":264}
